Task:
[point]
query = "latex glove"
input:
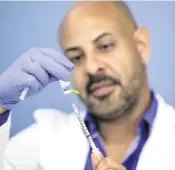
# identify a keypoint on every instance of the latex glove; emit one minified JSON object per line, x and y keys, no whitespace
{"x":34,"y":69}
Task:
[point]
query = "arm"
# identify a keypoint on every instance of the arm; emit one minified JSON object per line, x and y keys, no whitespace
{"x":23,"y":150}
{"x":4,"y":136}
{"x":34,"y":69}
{"x":20,"y":152}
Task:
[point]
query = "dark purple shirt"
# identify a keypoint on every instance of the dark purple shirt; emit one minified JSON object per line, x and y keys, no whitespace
{"x":143,"y":130}
{"x":4,"y":118}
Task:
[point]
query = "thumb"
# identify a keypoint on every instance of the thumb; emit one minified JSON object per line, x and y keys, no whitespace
{"x":96,"y":157}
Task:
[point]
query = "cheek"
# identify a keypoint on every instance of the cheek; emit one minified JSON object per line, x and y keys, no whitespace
{"x":121,"y":65}
{"x":129,"y":69}
{"x":79,"y":79}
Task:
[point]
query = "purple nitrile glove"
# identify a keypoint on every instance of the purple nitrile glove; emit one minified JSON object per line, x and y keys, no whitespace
{"x":34,"y":69}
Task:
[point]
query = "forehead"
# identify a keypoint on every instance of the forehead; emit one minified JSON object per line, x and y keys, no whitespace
{"x":86,"y":23}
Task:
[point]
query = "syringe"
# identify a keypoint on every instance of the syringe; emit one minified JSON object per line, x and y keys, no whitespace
{"x":95,"y":150}
{"x":23,"y":94}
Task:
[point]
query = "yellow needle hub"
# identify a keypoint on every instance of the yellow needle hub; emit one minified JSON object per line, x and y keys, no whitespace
{"x":74,"y":91}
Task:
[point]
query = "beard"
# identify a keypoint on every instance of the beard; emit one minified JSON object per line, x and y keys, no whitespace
{"x":121,"y":101}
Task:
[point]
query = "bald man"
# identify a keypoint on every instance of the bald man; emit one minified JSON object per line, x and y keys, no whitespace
{"x":131,"y":125}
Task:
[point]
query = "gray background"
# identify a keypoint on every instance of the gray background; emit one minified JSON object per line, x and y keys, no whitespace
{"x":24,"y":25}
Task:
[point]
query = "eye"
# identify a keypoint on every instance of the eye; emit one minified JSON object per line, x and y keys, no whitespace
{"x":75,"y":59}
{"x":106,"y":47}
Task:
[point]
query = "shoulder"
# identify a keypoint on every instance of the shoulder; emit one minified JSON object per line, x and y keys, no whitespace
{"x":165,"y":110}
{"x":162,"y":104}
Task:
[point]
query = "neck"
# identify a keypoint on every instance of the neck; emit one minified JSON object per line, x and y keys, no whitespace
{"x":125,"y":129}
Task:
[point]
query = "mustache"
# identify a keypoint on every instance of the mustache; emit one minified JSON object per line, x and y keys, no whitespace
{"x":97,"y":79}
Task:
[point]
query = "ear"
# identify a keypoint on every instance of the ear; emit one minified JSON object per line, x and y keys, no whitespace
{"x":142,"y":40}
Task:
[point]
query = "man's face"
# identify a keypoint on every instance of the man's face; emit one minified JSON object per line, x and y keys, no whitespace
{"x":108,"y":71}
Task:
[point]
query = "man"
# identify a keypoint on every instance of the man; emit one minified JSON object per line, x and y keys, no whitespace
{"x":131,"y":125}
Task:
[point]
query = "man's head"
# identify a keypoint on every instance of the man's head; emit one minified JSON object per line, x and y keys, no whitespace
{"x":109,"y":52}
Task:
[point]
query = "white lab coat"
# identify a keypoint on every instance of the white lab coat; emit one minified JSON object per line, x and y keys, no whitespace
{"x":56,"y":142}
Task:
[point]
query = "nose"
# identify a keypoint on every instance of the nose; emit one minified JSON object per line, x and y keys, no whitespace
{"x":94,"y":66}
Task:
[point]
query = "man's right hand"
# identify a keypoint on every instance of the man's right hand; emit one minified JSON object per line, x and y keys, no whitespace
{"x":34,"y":69}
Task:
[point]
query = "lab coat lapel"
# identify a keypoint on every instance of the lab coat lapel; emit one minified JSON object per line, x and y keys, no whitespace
{"x":159,"y":151}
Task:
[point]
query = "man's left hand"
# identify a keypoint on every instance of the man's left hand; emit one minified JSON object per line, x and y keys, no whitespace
{"x":107,"y":163}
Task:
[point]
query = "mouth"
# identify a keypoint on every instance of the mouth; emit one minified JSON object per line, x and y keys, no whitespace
{"x":102,"y":89}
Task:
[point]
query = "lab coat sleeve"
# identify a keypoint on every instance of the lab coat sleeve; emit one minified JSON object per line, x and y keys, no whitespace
{"x":21,"y":152}
{"x":4,"y":136}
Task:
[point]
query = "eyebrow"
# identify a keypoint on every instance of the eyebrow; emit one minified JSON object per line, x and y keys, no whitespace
{"x":101,"y":36}
{"x":76,"y":48}
{"x":71,"y":49}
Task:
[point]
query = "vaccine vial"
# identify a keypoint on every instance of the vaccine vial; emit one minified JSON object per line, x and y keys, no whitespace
{"x":65,"y":86}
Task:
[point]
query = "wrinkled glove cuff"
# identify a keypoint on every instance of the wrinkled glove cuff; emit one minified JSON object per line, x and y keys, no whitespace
{"x":8,"y":105}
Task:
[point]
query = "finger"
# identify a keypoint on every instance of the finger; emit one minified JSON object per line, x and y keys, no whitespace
{"x":53,"y":68}
{"x":96,"y":159}
{"x":35,"y":69}
{"x":108,"y":163}
{"x":58,"y":57}
{"x":31,"y":82}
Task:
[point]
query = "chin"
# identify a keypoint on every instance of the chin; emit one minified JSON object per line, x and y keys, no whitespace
{"x":104,"y":105}
{"x":110,"y":112}
{"x":113,"y":108}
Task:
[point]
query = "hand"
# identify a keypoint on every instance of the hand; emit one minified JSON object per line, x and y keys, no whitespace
{"x":34,"y":69}
{"x":105,"y":163}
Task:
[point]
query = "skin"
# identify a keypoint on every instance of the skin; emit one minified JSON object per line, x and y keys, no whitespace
{"x":105,"y":163}
{"x":2,"y":110}
{"x":110,"y":53}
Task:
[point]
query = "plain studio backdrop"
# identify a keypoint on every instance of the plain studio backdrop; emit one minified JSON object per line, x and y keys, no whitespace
{"x":24,"y":25}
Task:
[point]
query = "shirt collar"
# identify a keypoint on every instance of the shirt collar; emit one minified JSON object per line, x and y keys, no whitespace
{"x":149,"y":115}
{"x":147,"y":118}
